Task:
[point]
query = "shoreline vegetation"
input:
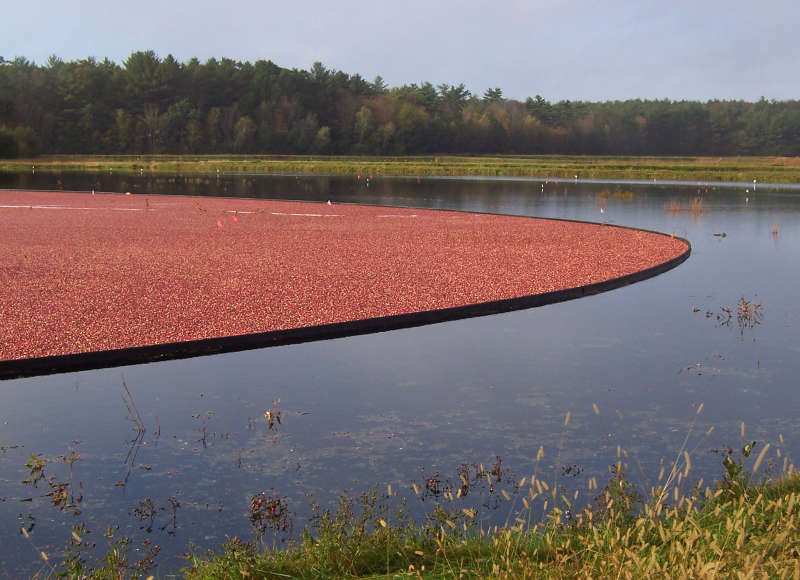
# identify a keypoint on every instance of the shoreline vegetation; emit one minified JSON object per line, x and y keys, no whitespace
{"x":744,"y":525}
{"x":741,"y":529}
{"x":700,"y":169}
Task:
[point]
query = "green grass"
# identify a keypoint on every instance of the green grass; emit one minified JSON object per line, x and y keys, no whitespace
{"x":738,"y":529}
{"x":741,"y":529}
{"x":745,"y":169}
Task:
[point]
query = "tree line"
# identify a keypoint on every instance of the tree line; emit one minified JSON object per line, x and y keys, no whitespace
{"x":160,"y":105}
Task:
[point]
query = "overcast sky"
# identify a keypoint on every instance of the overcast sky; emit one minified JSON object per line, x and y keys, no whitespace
{"x":561,"y":49}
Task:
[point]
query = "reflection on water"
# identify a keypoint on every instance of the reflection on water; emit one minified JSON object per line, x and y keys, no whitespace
{"x":193,"y":451}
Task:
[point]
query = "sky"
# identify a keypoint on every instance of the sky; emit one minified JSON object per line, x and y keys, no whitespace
{"x":560,"y":49}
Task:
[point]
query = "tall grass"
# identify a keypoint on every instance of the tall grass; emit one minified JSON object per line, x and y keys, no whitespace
{"x":742,"y":526}
{"x":696,"y":207}
{"x":739,"y":530}
{"x":746,"y":524}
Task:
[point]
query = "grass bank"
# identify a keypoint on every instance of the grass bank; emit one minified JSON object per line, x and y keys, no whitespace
{"x":743,"y":525}
{"x":745,"y":169}
{"x":739,"y":527}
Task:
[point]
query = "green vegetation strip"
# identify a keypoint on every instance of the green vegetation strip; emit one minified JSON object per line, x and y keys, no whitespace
{"x":739,"y":529}
{"x":744,"y":169}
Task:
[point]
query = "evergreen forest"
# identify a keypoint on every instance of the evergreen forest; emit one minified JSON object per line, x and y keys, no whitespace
{"x":150,"y":105}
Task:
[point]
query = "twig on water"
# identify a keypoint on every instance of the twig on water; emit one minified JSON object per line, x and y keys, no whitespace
{"x":136,"y":419}
{"x":133,"y":412}
{"x":130,"y":458}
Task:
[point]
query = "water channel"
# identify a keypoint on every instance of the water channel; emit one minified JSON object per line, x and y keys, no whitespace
{"x":421,"y":405}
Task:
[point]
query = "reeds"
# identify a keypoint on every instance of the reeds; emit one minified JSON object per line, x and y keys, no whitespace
{"x":738,"y":527}
{"x":749,"y":531}
{"x":696,"y":208}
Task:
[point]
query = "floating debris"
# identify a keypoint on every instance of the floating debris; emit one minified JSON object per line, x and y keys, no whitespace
{"x":273,"y":415}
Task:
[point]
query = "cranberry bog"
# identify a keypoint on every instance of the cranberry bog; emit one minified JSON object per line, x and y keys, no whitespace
{"x":93,"y":280}
{"x":193,"y":451}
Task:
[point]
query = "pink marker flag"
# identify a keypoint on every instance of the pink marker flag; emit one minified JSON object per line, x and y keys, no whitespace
{"x":234,"y":218}
{"x":219,"y":224}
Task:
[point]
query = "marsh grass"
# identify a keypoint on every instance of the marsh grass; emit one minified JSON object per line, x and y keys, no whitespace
{"x":745,"y":525}
{"x":696,"y":207}
{"x":740,"y":529}
{"x":704,"y":169}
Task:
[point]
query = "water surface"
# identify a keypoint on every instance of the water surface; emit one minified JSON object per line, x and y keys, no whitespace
{"x":417,"y":405}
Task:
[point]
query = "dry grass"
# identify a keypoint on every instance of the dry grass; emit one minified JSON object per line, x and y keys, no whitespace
{"x":746,"y":532}
{"x":696,"y":208}
{"x":737,"y":528}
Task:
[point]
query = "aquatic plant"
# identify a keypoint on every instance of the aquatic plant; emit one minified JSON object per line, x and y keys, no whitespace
{"x":696,"y":208}
{"x":273,"y":415}
{"x":748,"y":313}
{"x":269,"y":512}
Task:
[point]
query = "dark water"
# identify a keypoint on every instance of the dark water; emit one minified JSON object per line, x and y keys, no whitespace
{"x":417,"y":405}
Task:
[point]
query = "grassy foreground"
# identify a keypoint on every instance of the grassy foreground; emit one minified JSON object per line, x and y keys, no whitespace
{"x":740,"y":530}
{"x":743,"y":526}
{"x":745,"y":169}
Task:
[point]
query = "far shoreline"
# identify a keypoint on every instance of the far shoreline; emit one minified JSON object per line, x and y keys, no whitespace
{"x":734,"y":171}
